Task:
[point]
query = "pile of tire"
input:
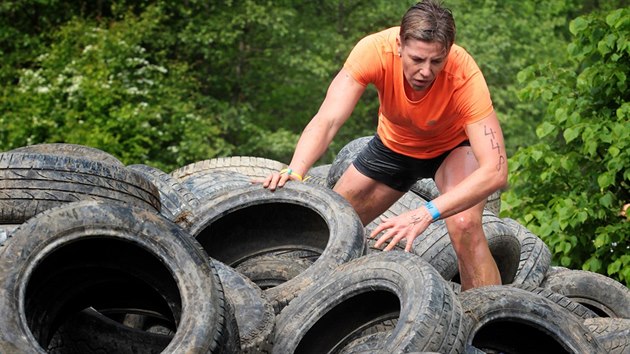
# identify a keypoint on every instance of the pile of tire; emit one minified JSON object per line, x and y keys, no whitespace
{"x":100,"y":257}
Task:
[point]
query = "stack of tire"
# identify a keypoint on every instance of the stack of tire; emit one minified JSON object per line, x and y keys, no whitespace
{"x":99,"y":257}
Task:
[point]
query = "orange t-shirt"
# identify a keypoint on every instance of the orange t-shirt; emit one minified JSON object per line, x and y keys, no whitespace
{"x":436,"y":123}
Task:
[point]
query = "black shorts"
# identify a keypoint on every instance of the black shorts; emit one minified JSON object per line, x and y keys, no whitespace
{"x":398,"y":171}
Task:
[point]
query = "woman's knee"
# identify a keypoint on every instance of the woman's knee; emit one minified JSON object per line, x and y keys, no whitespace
{"x":464,"y":223}
{"x":466,"y":231}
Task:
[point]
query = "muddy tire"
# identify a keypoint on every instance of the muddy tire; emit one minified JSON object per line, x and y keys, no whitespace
{"x":270,"y":270}
{"x":177,"y":202}
{"x":211,"y":183}
{"x":434,"y":246}
{"x":370,"y":343}
{"x":255,"y":167}
{"x":512,"y":320}
{"x":612,"y":333}
{"x":79,"y":255}
{"x":535,"y":255}
{"x":318,"y":175}
{"x":344,"y":159}
{"x":493,"y":203}
{"x":555,"y":269}
{"x":87,"y":330}
{"x":360,"y":294}
{"x":5,"y":232}
{"x":251,"y":222}
{"x":575,"y":308}
{"x":426,"y":188}
{"x":32,"y":183}
{"x":127,"y":331}
{"x":604,"y":295}
{"x":254,"y":314}
{"x":73,"y":150}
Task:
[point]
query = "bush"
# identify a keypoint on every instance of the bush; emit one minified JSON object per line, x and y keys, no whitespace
{"x":569,"y":188}
{"x":98,"y":86}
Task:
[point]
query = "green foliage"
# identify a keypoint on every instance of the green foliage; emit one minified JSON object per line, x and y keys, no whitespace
{"x":98,"y":86}
{"x":268,"y":64}
{"x":570,"y":187}
{"x":506,"y":36}
{"x":276,"y":61}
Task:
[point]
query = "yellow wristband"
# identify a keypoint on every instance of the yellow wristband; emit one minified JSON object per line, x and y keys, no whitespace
{"x":290,"y":172}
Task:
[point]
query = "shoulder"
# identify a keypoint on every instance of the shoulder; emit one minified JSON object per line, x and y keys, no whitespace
{"x":372,"y":56}
{"x":383,"y":41}
{"x":464,"y":79}
{"x":461,"y":65}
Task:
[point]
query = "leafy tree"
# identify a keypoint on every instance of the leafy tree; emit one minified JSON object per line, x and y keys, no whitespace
{"x":269,"y":64}
{"x":276,"y":60}
{"x":505,"y":37}
{"x":98,"y":86}
{"x":242,"y":54}
{"x":570,"y":187}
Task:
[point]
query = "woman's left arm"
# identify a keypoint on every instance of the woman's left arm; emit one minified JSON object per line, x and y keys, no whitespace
{"x":486,"y":141}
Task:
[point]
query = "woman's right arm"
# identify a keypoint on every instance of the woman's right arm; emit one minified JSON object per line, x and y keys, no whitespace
{"x":342,"y":96}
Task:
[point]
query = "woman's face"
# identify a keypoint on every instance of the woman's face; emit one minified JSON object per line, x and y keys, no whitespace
{"x":421,"y":62}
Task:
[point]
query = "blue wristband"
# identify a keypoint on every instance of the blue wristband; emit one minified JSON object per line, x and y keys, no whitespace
{"x":435,"y":213}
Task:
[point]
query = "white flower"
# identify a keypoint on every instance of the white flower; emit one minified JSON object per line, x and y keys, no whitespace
{"x":76,"y":84}
{"x":161,"y":69}
{"x":42,"y":89}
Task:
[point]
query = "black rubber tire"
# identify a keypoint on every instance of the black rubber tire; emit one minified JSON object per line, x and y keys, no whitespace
{"x":535,"y":255}
{"x":336,"y":310}
{"x":73,"y":150}
{"x":370,"y":343}
{"x":575,"y":308}
{"x":512,"y":320}
{"x":426,"y":188}
{"x":493,"y":203}
{"x":178,"y":203}
{"x":250,"y":222}
{"x":555,"y":269}
{"x":5,"y":231}
{"x":269,"y":270}
{"x":211,"y":183}
{"x":318,"y":175}
{"x":127,"y":332}
{"x":344,"y":158}
{"x":32,"y":183}
{"x":612,"y":333}
{"x":604,"y":295}
{"x":434,"y":244}
{"x":89,"y":331}
{"x":81,"y":254}
{"x":139,"y":319}
{"x":254,"y":314}
{"x":255,"y":167}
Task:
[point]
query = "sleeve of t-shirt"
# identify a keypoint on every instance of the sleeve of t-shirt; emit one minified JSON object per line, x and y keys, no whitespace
{"x":365,"y":61}
{"x":473,"y":97}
